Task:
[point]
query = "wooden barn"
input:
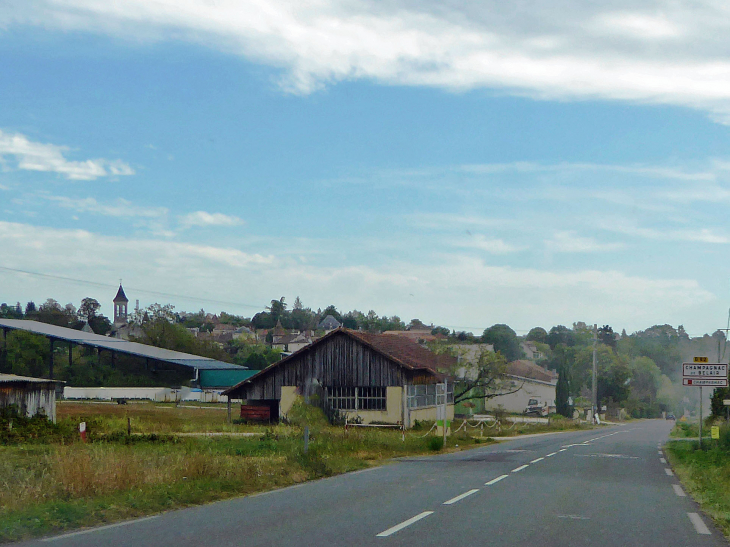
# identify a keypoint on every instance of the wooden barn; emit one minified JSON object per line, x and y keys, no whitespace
{"x":375,"y":377}
{"x":30,"y":396}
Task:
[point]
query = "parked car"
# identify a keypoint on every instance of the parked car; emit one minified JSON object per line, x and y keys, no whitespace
{"x":536,"y":408}
{"x":671,"y":417}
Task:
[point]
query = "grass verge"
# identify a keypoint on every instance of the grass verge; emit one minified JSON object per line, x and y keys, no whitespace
{"x":705,"y":475}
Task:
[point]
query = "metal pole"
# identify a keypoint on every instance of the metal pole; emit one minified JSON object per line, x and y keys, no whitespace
{"x":700,"y":417}
{"x":50,"y":361}
{"x":446,"y":405}
{"x":594,"y":386}
{"x":70,"y":354}
{"x":306,"y":439}
{"x":229,"y":409}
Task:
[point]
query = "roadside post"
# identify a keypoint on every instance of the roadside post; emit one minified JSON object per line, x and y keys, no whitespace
{"x":701,"y":373}
{"x":726,"y":402}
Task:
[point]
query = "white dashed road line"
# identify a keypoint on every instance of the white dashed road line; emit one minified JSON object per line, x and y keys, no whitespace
{"x":551,"y":454}
{"x":461,"y":496}
{"x":668,"y":471}
{"x":404,"y":524}
{"x":678,"y":490}
{"x":495,"y":481}
{"x":562,"y":450}
{"x":520,"y":468}
{"x":700,"y":526}
{"x":537,"y":460}
{"x":662,"y":460}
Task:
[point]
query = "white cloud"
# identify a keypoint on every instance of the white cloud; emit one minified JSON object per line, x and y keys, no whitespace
{"x":449,"y":289}
{"x":490,"y":245}
{"x":631,"y":228}
{"x":451,"y":221}
{"x":35,"y":156}
{"x":201,"y":218}
{"x":121,"y":208}
{"x":656,"y":51}
{"x":571,"y":242}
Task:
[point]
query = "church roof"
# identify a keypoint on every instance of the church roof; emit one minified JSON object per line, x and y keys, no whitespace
{"x":120,"y":297}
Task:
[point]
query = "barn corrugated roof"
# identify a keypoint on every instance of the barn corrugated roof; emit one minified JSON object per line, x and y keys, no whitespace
{"x":117,"y":344}
{"x":15,"y":379}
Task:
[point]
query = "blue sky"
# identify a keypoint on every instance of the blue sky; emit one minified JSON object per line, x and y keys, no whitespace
{"x":463,"y":165}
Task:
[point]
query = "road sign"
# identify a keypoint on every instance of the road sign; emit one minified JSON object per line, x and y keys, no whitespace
{"x":715,"y":432}
{"x":726,"y":402}
{"x":705,"y":382}
{"x":701,"y":360}
{"x":705,"y":370}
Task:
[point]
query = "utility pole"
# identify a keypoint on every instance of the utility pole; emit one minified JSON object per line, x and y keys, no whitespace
{"x":594,"y":386}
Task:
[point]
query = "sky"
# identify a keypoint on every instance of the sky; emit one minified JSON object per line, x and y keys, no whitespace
{"x":466,"y":164}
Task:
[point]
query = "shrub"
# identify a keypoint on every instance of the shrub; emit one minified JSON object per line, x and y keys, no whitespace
{"x":435,"y":443}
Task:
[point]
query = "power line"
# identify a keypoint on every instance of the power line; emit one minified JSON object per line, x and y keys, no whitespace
{"x":135,"y":289}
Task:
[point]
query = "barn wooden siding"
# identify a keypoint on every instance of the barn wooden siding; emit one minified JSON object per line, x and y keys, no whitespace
{"x":30,"y":398}
{"x":340,"y":361}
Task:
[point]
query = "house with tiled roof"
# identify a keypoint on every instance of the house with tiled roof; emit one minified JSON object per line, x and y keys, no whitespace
{"x":370,"y":377}
{"x":534,"y":382}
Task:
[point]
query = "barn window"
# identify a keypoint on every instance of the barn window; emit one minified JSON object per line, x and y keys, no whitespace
{"x":357,"y":398}
{"x":421,"y":395}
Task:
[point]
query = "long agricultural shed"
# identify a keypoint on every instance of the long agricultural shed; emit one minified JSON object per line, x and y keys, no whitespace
{"x":113,"y":345}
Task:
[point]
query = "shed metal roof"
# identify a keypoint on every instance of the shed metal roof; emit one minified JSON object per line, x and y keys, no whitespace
{"x":15,"y":379}
{"x":117,"y":344}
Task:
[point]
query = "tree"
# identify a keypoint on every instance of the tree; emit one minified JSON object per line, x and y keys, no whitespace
{"x":482,"y":377}
{"x":560,"y":335}
{"x":30,"y":308}
{"x":537,"y":334}
{"x":717,"y":406}
{"x":504,"y":340}
{"x":417,"y":324}
{"x":88,"y":309}
{"x":607,"y":336}
{"x":562,"y":361}
{"x":277,"y":309}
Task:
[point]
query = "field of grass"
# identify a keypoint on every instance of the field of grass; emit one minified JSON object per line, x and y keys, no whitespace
{"x":149,"y":417}
{"x":50,"y":481}
{"x":705,"y":474}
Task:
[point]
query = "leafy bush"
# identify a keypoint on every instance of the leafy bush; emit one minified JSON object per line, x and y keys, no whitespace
{"x":17,"y":428}
{"x":435,"y":443}
{"x":301,"y":414}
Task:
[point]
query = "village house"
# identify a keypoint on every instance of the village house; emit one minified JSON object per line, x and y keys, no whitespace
{"x":531,"y":352}
{"x":370,"y":377}
{"x":534,"y":382}
{"x":328,"y":324}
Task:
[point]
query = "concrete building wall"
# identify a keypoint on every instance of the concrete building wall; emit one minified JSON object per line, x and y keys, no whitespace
{"x":517,"y":402}
{"x":158,"y":394}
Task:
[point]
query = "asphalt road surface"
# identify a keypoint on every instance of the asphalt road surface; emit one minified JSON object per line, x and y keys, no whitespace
{"x":604,"y":487}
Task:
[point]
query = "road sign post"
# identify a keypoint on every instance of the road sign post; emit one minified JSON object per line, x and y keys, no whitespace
{"x":701,"y":373}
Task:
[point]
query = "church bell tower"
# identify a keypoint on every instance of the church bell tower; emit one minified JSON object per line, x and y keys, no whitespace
{"x":120,"y":307}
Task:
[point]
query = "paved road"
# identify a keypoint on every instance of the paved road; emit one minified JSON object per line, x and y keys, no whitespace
{"x":604,"y":487}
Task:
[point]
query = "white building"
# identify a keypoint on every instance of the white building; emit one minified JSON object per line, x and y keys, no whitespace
{"x":533,"y":381}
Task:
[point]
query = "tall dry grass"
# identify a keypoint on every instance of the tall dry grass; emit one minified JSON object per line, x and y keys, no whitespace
{"x":80,"y":471}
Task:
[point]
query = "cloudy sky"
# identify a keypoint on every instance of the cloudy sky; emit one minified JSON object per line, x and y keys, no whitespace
{"x":464,"y":163}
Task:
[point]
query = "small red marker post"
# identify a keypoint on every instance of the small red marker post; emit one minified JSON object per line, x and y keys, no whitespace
{"x":82,"y":431}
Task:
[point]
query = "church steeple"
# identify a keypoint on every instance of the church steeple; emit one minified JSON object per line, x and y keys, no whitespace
{"x":120,"y":307}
